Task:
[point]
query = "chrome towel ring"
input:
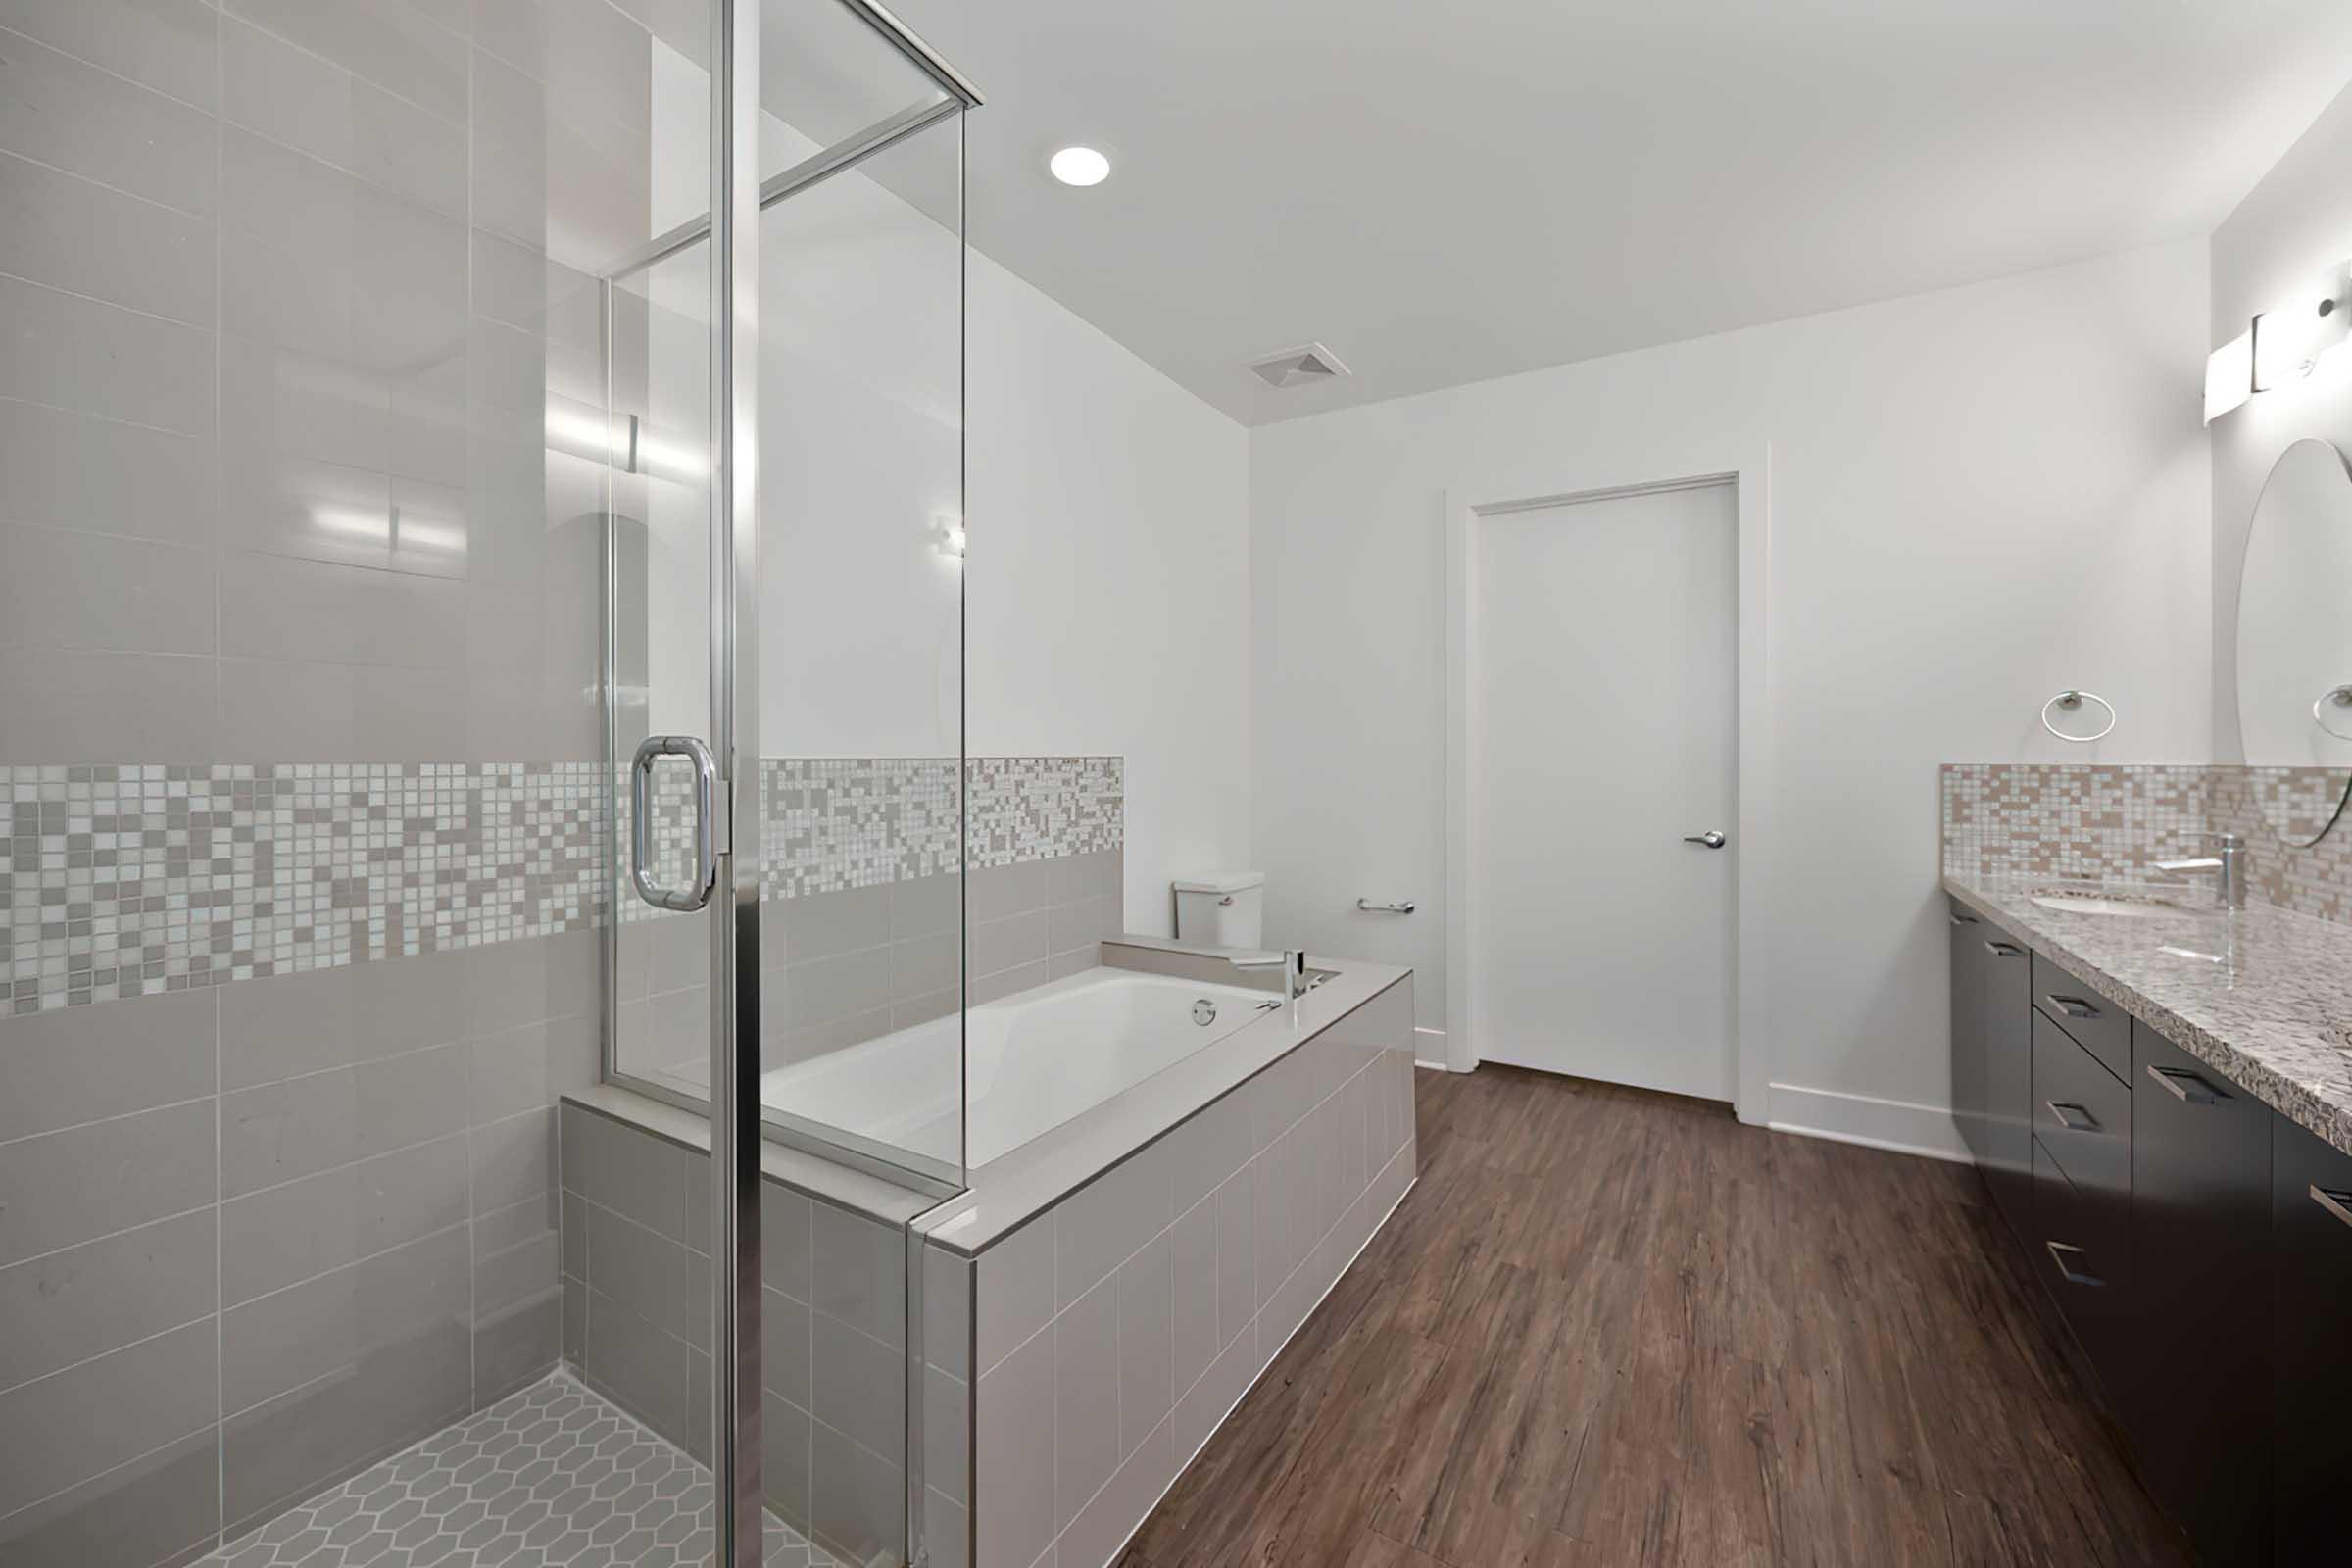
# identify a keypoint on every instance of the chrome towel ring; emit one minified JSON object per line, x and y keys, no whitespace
{"x":2332,"y":697}
{"x":2070,"y":699}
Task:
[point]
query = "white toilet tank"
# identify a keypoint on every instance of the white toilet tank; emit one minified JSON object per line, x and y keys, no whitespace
{"x":1223,"y":909}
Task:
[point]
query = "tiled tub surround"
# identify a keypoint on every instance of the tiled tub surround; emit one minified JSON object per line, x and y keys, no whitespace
{"x":637,"y":1311}
{"x":2101,"y":823}
{"x":1116,"y":1301}
{"x":2264,"y":995}
{"x":254,"y":1237}
{"x":133,"y":880}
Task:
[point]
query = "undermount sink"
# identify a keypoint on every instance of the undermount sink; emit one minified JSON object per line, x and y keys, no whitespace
{"x":2130,"y":904}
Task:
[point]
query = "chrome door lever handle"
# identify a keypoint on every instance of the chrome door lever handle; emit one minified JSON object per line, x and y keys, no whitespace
{"x":1710,"y":838}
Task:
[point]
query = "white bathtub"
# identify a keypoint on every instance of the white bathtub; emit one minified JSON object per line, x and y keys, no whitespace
{"x":1034,"y":1059}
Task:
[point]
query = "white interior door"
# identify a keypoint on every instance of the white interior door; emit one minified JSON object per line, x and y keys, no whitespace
{"x":1603,"y":662}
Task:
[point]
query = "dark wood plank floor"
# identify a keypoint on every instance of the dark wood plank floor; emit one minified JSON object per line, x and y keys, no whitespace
{"x":1612,"y":1327}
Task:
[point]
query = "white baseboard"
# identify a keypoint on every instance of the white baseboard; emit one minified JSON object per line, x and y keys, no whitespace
{"x":1891,"y":1124}
{"x":1429,"y":1049}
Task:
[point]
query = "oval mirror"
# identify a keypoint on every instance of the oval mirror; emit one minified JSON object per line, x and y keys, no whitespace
{"x":2294,"y":643}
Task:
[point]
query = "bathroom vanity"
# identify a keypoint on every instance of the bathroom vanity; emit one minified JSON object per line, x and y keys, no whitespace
{"x":2161,"y":1103}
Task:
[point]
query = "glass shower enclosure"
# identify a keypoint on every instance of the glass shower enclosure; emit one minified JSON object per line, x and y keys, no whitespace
{"x":481,"y":745}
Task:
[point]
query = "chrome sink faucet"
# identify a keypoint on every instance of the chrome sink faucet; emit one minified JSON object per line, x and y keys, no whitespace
{"x":2229,"y":886}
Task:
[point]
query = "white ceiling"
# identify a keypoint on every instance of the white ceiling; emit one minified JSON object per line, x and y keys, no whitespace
{"x":1447,"y":192}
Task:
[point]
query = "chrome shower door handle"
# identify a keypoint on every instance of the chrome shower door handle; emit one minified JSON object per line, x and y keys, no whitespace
{"x":1710,"y":838}
{"x":706,"y":821}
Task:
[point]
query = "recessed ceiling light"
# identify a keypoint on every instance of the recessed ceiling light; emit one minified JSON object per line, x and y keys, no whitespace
{"x":1079,"y":166}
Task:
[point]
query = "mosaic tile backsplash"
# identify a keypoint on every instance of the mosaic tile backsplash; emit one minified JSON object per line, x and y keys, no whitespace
{"x":123,"y":881}
{"x":2107,"y":822}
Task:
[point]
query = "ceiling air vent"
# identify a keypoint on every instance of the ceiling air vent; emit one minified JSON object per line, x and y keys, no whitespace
{"x":1309,"y":365}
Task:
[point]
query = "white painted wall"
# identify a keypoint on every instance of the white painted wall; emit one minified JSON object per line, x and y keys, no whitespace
{"x":1978,"y":496}
{"x":1109,"y":578}
{"x":2270,"y":251}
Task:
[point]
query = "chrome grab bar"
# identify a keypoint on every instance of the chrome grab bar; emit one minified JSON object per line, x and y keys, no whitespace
{"x":706,"y":844}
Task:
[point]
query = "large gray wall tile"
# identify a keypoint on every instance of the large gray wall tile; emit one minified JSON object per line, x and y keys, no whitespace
{"x":155,"y":1510}
{"x":87,"y":1181}
{"x":860,"y":1385}
{"x":312,"y":1435}
{"x":291,"y":1232}
{"x":75,"y":233}
{"x":512,"y":1159}
{"x":299,"y":1023}
{"x":293,"y":1128}
{"x":859,"y":1508}
{"x":1013,"y":1458}
{"x":61,"y":1068}
{"x":392,"y":43}
{"x":80,"y":703}
{"x":91,"y":590}
{"x":164,"y":44}
{"x":1086,"y":1400}
{"x":63,"y":469}
{"x":72,"y":353}
{"x":858,"y":1273}
{"x":86,"y":1300}
{"x":293,"y":96}
{"x":386,"y":1304}
{"x":66,"y":1428}
{"x":74,"y":116}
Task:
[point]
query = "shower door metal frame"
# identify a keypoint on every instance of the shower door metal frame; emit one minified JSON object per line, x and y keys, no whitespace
{"x":737,"y":1134}
{"x":736,"y":1451}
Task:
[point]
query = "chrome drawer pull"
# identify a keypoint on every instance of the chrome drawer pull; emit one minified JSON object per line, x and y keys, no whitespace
{"x":2060,"y":1252}
{"x":2338,"y":1204}
{"x":2004,"y":950}
{"x":1958,"y":918}
{"x":2072,"y":1006}
{"x":2185,"y":1085}
{"x":2059,"y":1109}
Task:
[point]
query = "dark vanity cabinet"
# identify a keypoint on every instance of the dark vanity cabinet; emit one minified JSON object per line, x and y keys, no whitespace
{"x":1970,"y":959}
{"x":2198,"y":1406}
{"x":2311,"y":1345}
{"x":1993,"y":1058}
{"x":2198,"y":1245}
{"x":2008,"y":1032}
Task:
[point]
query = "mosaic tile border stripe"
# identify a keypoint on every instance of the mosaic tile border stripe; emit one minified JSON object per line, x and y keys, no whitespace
{"x":2108,"y":822}
{"x":129,"y":880}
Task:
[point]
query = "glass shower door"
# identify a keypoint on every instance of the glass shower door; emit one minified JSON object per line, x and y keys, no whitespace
{"x":783,"y":416}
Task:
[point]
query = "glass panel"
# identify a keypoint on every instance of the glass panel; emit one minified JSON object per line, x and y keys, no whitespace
{"x":862,"y":685}
{"x":314,"y":406}
{"x":826,"y":79}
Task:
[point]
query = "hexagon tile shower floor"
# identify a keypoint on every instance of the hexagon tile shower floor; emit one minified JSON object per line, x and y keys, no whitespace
{"x":553,"y":1477}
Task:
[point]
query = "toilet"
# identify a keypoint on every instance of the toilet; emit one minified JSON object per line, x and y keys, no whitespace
{"x":1221,"y":908}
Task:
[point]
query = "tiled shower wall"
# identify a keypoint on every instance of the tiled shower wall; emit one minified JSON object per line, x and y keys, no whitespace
{"x":2108,"y":822}
{"x":284,"y":288}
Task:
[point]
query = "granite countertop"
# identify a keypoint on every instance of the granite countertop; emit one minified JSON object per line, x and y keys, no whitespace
{"x":2264,"y":995}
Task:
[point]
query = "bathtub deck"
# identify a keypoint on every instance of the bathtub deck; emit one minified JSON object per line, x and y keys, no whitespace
{"x":1612,"y":1327}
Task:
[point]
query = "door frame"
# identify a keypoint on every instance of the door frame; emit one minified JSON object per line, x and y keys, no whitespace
{"x":1553,"y":482}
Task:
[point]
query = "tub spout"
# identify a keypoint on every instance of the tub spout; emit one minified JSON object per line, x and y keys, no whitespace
{"x":1293,"y":964}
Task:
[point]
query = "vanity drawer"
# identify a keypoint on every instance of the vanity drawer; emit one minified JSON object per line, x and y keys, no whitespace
{"x":2082,"y":1249}
{"x":2099,"y":1025}
{"x":2081,"y":1111}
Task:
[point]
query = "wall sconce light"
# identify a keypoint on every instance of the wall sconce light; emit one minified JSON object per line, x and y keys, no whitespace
{"x":947,"y":537}
{"x":2282,"y":345}
{"x":2229,"y":376}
